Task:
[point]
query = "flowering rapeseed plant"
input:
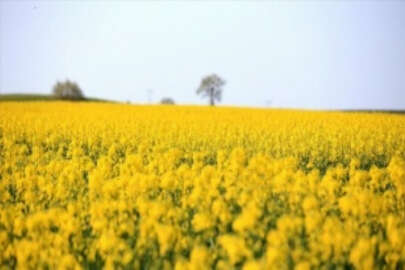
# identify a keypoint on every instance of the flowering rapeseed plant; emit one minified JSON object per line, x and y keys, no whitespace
{"x":156,"y":187}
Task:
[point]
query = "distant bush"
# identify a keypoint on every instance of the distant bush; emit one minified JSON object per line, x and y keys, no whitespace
{"x":167,"y":101}
{"x":67,"y":90}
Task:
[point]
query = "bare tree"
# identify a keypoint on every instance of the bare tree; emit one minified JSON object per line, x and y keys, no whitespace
{"x":211,"y":86}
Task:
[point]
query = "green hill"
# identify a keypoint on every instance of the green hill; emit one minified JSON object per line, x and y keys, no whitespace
{"x":40,"y":97}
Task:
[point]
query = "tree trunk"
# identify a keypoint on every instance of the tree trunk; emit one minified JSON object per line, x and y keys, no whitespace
{"x":212,"y":100}
{"x":212,"y":97}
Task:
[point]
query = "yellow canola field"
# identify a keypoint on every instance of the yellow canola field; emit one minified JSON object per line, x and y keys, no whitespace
{"x":91,"y":185}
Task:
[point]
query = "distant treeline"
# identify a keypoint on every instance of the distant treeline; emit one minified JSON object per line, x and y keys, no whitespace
{"x":376,"y":111}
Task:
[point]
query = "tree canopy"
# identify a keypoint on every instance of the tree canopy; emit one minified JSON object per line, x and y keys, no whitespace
{"x":211,"y":87}
{"x":67,"y":90}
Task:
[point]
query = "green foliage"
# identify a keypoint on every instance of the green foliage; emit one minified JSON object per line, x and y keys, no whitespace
{"x":67,"y":90}
{"x":211,"y":86}
{"x":167,"y":101}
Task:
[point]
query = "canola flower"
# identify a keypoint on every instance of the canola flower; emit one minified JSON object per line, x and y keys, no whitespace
{"x":110,"y":186}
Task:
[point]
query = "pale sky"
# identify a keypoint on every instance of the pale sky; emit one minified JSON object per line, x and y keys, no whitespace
{"x":296,"y":54}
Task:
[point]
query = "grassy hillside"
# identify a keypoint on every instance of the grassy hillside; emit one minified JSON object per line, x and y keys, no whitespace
{"x":40,"y":97}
